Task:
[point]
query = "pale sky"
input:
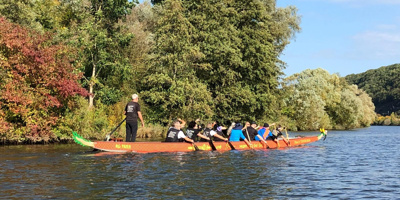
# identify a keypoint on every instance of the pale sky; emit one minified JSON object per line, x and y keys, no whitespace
{"x":344,"y":36}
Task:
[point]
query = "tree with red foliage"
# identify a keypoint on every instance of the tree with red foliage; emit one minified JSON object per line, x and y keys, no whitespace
{"x":38,"y":81}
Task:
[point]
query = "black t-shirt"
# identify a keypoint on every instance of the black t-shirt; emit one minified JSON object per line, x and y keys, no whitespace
{"x":252,"y":133}
{"x":192,"y":133}
{"x":132,"y":109}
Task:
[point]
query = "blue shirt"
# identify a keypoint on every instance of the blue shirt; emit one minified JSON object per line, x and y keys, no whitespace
{"x":236,"y":135}
{"x":261,"y":133}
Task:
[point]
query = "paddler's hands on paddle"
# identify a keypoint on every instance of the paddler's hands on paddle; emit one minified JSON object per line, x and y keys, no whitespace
{"x":189,"y":140}
{"x":265,"y":142}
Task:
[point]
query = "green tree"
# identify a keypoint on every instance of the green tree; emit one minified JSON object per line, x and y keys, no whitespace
{"x":104,"y":58}
{"x":315,"y":99}
{"x":242,"y":43}
{"x":237,"y":46}
{"x":170,"y":86}
{"x":382,"y":85}
{"x":141,"y":23}
{"x":20,"y":12}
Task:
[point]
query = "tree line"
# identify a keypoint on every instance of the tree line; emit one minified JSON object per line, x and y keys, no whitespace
{"x":72,"y":65}
{"x":382,"y":85}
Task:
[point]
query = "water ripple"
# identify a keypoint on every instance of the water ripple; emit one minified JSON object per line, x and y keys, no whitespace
{"x":348,"y":165}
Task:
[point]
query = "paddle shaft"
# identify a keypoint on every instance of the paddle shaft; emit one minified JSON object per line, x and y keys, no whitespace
{"x":231,"y":145}
{"x":212,"y":145}
{"x":196,"y":148}
{"x":109,"y":135}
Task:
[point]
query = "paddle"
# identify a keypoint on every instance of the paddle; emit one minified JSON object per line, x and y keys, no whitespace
{"x":248,"y":135}
{"x":231,"y":145}
{"x":275,"y":133}
{"x":212,"y":145}
{"x":287,"y":137}
{"x":109,"y":135}
{"x":196,"y":148}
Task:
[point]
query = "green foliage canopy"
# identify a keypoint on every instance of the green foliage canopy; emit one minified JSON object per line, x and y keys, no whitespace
{"x":230,"y":47}
{"x":315,"y":98}
{"x":382,"y":85}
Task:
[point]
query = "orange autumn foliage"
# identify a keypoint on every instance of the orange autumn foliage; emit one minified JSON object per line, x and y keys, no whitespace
{"x":38,"y":81}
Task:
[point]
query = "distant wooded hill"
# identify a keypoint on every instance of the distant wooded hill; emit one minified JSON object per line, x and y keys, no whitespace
{"x":383,"y":85}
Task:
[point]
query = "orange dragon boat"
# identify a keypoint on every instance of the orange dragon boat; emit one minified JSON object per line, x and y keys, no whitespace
{"x":152,"y":147}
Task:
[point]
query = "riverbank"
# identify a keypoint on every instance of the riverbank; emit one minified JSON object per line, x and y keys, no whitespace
{"x":149,"y":132}
{"x":390,"y":120}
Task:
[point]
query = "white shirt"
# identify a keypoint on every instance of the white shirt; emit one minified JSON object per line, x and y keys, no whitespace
{"x":181,"y":135}
{"x":212,"y":132}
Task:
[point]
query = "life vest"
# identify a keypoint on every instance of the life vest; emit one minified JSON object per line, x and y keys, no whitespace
{"x":192,"y":134}
{"x":172,"y":135}
{"x":207,"y":133}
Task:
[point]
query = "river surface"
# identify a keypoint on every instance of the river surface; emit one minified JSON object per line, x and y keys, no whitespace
{"x":356,"y":164}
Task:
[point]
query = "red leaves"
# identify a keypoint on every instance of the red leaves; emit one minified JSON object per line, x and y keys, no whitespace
{"x":40,"y":78}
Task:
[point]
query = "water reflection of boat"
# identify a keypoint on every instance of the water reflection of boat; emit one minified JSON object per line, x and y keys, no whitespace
{"x":151,"y":147}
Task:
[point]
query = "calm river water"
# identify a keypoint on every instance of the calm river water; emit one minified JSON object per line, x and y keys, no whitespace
{"x":356,"y":164}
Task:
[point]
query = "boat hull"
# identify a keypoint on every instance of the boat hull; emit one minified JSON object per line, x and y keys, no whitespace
{"x":151,"y":147}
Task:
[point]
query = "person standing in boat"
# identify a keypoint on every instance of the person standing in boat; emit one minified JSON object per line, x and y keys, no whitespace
{"x":175,"y":134}
{"x":209,"y":132}
{"x":132,"y":112}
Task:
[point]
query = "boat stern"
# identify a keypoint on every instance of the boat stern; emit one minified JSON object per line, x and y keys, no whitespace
{"x":80,"y":140}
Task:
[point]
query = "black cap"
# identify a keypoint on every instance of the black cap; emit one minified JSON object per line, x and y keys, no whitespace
{"x":254,"y":123}
{"x":266,"y":125}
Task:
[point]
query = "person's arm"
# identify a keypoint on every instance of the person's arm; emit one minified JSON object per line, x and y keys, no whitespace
{"x":188,"y":139}
{"x":202,"y":136}
{"x":242,"y":136}
{"x":140,"y":117}
{"x":183,"y":123}
{"x":262,"y":139}
{"x":215,"y":134}
{"x":248,"y":143}
{"x":182,"y":135}
{"x":220,"y":137}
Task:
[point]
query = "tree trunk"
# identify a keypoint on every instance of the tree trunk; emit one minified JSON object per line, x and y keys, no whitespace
{"x":91,"y":85}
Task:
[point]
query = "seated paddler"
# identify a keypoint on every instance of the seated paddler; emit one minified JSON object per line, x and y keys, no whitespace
{"x":193,"y":131}
{"x":237,"y":134}
{"x":209,"y":133}
{"x":275,"y":134}
{"x":175,"y":134}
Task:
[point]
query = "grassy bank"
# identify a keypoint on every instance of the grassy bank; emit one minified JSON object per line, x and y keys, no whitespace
{"x":150,"y":131}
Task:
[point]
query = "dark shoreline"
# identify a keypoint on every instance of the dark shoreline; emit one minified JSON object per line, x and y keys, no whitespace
{"x":5,"y":142}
